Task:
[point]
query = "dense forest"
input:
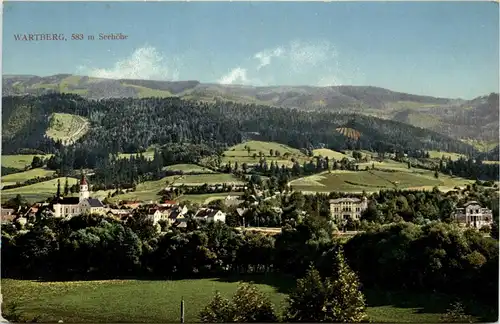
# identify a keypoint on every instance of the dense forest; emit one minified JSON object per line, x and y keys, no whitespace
{"x":132,"y":125}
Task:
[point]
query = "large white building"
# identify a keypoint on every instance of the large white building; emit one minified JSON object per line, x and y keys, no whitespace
{"x":72,"y":206}
{"x":347,"y":208}
{"x":474,"y":215}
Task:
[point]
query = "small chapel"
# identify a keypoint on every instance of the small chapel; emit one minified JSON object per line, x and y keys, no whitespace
{"x":84,"y":204}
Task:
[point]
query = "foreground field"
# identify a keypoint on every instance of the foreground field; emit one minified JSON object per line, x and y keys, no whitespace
{"x":158,"y":301}
{"x":38,"y":191}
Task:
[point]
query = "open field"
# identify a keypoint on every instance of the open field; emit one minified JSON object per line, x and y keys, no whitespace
{"x":144,"y":92}
{"x":159,"y":301}
{"x":330,"y":154}
{"x":206,"y":198}
{"x":38,"y":191}
{"x":375,"y":180}
{"x":438,"y":155}
{"x":148,"y":190}
{"x":188,"y":168}
{"x":483,"y":146}
{"x":20,"y":161}
{"x":66,"y":127}
{"x":25,"y":175}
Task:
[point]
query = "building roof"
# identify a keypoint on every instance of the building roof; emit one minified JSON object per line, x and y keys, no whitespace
{"x":68,"y":201}
{"x":83,"y":181}
{"x":472,"y":202}
{"x":336,"y":201}
{"x":95,"y":202}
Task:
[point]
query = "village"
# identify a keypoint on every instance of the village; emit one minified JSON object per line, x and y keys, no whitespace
{"x":171,"y":214}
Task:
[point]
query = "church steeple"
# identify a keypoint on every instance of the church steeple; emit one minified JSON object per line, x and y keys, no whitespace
{"x":84,"y":188}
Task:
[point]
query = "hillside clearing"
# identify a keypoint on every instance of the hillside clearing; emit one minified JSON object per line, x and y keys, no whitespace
{"x":26,"y":175}
{"x":331,"y":154}
{"x":149,"y":190}
{"x":20,"y":161}
{"x":38,"y":191}
{"x":188,"y":168}
{"x":67,"y":128}
{"x":259,"y":146}
{"x":375,"y":180}
{"x":158,"y":301}
{"x":438,"y":155}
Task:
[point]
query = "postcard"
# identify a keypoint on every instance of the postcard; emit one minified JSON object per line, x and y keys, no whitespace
{"x":240,"y":161}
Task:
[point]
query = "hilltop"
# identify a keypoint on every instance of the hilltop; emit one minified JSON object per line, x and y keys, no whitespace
{"x":475,"y":119}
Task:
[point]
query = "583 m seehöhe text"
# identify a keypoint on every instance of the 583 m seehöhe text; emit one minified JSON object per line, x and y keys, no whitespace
{"x":62,"y":37}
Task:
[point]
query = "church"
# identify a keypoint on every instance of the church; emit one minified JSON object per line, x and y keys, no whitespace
{"x":72,"y":206}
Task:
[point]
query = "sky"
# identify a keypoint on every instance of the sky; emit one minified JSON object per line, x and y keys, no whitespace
{"x":444,"y":49}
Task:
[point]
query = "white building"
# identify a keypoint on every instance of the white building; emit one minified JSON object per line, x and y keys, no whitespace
{"x":347,"y":208}
{"x":72,"y":206}
{"x":210,"y":215}
{"x":472,"y":214}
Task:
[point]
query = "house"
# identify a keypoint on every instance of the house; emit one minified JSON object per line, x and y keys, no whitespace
{"x":210,"y":215}
{"x":474,"y":215}
{"x":232,"y":201}
{"x":72,"y":206}
{"x":131,"y":204}
{"x":178,"y":213}
{"x":155,"y":215}
{"x":8,"y":215}
{"x":347,"y":208}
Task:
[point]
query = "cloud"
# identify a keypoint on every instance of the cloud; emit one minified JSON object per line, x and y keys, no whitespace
{"x":303,"y":55}
{"x":235,"y":76}
{"x":265,"y":56}
{"x":294,"y":59}
{"x":144,"y":63}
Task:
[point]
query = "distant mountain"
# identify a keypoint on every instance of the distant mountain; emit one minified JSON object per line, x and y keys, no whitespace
{"x":475,"y":120}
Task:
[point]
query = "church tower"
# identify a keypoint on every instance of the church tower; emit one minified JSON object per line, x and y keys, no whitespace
{"x":84,"y":189}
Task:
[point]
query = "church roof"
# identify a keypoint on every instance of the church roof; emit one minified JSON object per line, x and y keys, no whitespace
{"x":83,"y":181}
{"x":68,"y":201}
{"x":95,"y":202}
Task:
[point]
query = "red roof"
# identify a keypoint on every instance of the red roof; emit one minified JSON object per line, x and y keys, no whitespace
{"x":83,"y":181}
{"x":169,"y":202}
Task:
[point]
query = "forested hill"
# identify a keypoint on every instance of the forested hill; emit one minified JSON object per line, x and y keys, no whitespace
{"x":475,"y":120}
{"x":132,"y":125}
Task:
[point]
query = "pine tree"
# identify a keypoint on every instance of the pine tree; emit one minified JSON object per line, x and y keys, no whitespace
{"x":334,"y":299}
{"x":58,"y":193}
{"x":66,"y":187}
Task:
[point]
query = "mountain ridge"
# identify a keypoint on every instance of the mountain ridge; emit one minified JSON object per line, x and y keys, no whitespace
{"x":475,"y":119}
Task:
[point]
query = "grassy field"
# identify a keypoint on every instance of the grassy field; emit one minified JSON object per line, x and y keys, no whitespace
{"x":188,"y":168}
{"x":38,"y":191}
{"x":159,"y":301}
{"x":19,"y":161}
{"x":206,"y":198}
{"x":330,"y":154}
{"x":25,"y":175}
{"x":438,"y":155}
{"x":240,"y":154}
{"x":375,"y":180}
{"x":148,"y":190}
{"x":144,"y":92}
{"x":66,"y":127}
